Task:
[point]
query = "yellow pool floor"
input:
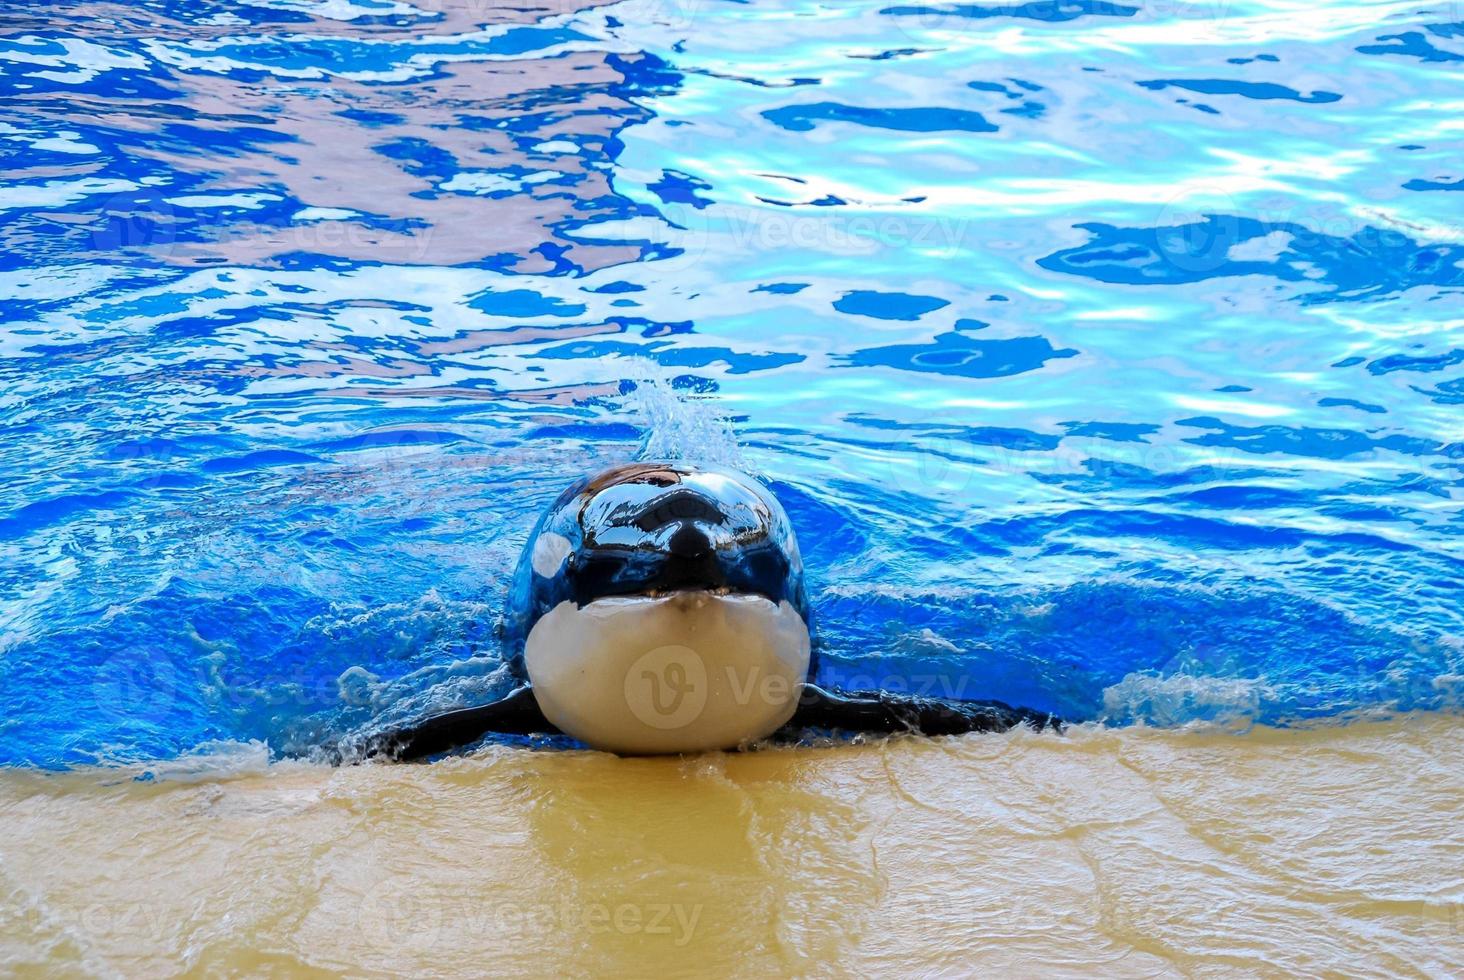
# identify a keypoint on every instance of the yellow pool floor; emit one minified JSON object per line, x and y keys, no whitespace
{"x":1337,"y":850}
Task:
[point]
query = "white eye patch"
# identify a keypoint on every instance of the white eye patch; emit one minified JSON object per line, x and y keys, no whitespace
{"x":550,"y":550}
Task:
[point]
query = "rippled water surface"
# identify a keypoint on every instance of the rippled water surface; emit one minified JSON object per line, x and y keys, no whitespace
{"x":1109,"y":357}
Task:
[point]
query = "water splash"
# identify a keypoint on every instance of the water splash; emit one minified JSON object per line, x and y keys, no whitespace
{"x":683,"y":426}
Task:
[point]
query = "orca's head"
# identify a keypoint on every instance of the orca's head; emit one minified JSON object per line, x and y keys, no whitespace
{"x":660,"y":607}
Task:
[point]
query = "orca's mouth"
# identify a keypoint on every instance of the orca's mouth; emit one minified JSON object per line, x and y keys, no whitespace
{"x":721,"y":591}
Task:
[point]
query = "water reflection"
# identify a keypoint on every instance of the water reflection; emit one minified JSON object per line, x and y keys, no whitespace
{"x":1104,"y":355}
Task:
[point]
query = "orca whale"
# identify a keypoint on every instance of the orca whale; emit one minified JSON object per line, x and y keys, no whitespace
{"x":660,"y":608}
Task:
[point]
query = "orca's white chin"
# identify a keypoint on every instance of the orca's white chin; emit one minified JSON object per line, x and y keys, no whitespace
{"x":685,"y":672}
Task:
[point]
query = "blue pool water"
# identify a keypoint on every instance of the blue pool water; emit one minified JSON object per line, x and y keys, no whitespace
{"x":1108,"y":356}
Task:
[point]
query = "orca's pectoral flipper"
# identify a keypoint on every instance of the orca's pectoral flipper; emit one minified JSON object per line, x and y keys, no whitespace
{"x":884,"y":712}
{"x":516,"y":714}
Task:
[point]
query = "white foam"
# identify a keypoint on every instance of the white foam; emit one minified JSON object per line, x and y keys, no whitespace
{"x":1181,"y":698}
{"x":205,"y":762}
